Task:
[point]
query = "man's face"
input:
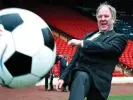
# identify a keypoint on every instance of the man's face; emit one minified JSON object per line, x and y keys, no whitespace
{"x":104,"y":19}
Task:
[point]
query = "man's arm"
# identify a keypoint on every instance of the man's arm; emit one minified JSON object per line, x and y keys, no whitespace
{"x":114,"y":46}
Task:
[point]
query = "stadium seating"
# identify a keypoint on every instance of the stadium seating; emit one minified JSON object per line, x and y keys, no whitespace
{"x":67,"y":20}
{"x":118,"y":74}
{"x":127,"y":56}
{"x":64,"y":49}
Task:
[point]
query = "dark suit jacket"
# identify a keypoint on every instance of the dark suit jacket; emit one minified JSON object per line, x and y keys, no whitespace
{"x":63,"y":64}
{"x":57,"y":59}
{"x":98,"y":58}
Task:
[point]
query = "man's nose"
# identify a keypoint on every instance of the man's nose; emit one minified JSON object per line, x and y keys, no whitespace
{"x":103,"y":18}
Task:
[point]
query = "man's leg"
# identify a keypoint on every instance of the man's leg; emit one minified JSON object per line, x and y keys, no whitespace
{"x":46,"y":81}
{"x":80,"y":86}
{"x":65,"y":89}
{"x":95,"y":95}
{"x":51,"y":81}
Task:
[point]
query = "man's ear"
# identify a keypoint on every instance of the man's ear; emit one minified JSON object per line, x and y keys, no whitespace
{"x":113,"y":21}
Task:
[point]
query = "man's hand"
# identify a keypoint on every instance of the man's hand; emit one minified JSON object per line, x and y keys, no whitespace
{"x":75,"y":42}
{"x":59,"y":84}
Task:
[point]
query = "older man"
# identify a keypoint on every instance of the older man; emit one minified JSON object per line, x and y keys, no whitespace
{"x":89,"y":73}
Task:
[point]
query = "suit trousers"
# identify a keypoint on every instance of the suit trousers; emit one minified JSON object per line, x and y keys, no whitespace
{"x":47,"y":77}
{"x":82,"y":86}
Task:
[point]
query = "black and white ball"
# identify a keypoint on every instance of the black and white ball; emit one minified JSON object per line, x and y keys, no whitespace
{"x":28,"y":48}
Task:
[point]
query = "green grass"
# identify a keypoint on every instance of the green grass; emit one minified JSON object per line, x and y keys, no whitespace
{"x":120,"y":97}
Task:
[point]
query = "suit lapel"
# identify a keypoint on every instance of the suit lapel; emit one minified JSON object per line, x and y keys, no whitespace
{"x":109,"y":34}
{"x":89,"y":35}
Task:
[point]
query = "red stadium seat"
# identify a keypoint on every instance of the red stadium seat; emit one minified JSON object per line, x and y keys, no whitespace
{"x":127,"y":55}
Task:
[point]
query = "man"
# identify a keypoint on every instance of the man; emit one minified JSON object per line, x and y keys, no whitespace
{"x":63,"y":65}
{"x":49,"y":76}
{"x":89,"y":73}
{"x":58,"y":58}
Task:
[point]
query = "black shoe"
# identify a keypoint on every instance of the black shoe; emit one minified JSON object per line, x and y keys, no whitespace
{"x":65,"y":90}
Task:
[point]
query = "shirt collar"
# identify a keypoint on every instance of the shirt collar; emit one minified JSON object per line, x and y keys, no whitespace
{"x":106,"y":31}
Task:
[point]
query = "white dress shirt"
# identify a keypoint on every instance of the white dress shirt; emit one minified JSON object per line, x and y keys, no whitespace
{"x":92,"y":37}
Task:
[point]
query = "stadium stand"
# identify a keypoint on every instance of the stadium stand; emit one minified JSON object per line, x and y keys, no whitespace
{"x":62,"y":48}
{"x":67,"y":20}
{"x":127,"y":56}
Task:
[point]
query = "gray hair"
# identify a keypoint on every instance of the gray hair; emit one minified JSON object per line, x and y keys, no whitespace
{"x":112,"y":9}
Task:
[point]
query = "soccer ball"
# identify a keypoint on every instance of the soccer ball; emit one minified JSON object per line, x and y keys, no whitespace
{"x":29,"y":51}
